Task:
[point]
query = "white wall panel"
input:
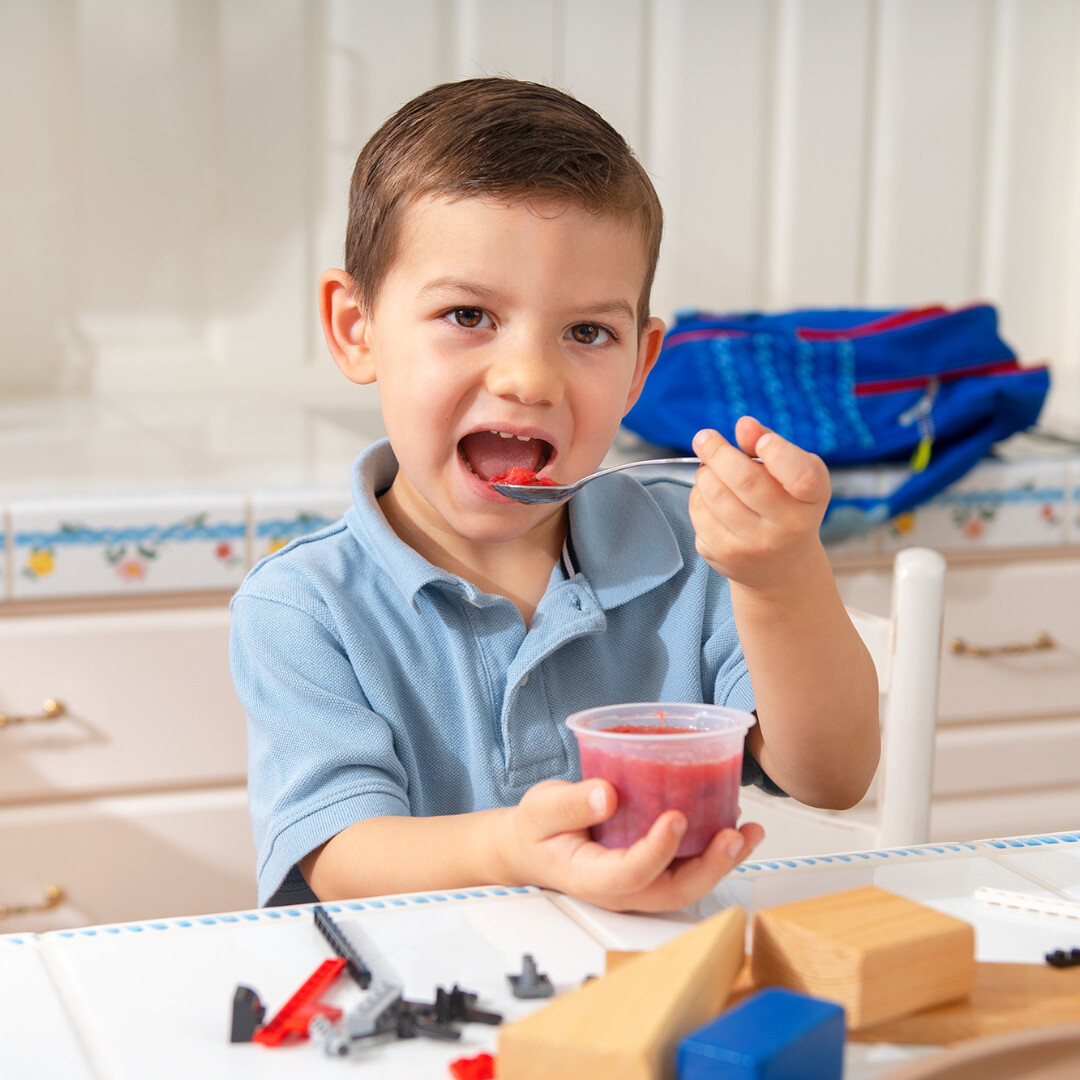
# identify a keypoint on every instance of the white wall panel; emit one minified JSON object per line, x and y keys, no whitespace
{"x":928,"y":161}
{"x":496,"y":38}
{"x":710,"y":105}
{"x":820,"y":133}
{"x":37,"y":214}
{"x":1032,"y":249}
{"x":173,"y":173}
{"x":604,"y":61}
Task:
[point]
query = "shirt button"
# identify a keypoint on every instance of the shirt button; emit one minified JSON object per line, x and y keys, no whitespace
{"x":524,"y":681}
{"x":575,"y":601}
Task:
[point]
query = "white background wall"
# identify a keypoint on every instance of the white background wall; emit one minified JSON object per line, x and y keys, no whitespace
{"x":173,"y":173}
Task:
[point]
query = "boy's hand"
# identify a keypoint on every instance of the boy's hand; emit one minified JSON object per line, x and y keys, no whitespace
{"x":548,"y":844}
{"x":757,"y":522}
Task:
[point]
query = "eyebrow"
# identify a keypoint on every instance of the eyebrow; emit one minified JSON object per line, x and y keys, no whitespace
{"x":486,"y":293}
{"x":452,"y":284}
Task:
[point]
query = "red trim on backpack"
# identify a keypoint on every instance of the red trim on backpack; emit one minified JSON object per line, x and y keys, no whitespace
{"x":888,"y":322}
{"x":892,"y":386}
{"x":680,"y":336}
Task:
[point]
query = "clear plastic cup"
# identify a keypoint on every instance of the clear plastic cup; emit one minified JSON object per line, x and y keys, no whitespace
{"x":664,"y":756}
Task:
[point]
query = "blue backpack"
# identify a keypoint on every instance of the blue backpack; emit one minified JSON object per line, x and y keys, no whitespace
{"x":931,"y":387}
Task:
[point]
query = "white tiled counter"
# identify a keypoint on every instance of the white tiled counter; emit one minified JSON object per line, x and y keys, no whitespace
{"x":127,"y":498}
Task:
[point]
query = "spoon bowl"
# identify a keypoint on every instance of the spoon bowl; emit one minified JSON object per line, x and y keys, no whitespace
{"x":552,"y":493}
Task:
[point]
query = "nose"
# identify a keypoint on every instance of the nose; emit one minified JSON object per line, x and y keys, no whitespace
{"x":527,"y":369}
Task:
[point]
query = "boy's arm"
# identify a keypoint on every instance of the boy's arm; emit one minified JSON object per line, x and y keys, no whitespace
{"x":543,"y":841}
{"x":814,"y":681}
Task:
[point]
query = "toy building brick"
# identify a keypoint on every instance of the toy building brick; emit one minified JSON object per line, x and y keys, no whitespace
{"x":879,"y":955}
{"x":775,"y":1034}
{"x":626,"y":1025}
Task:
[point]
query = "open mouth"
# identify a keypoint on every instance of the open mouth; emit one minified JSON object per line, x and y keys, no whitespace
{"x":495,"y":453}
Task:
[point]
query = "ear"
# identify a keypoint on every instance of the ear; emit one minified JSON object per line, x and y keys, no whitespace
{"x":345,"y":327}
{"x":652,"y":337}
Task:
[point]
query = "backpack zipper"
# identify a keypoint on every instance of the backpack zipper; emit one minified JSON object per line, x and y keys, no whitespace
{"x":919,"y":414}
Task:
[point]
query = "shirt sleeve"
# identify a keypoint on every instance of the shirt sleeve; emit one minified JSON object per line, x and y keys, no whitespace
{"x":319,"y":758}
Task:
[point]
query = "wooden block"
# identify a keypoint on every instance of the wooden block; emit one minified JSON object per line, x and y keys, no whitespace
{"x":1007,"y":997}
{"x":879,"y":955}
{"x":615,"y":958}
{"x":627,"y":1024}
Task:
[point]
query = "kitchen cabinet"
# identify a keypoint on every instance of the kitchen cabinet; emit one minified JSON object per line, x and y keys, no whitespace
{"x":1008,"y":744}
{"x":128,"y":791}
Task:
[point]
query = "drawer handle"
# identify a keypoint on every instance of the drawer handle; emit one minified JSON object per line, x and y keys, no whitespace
{"x":53,"y":895}
{"x":50,"y":710}
{"x":1042,"y":642}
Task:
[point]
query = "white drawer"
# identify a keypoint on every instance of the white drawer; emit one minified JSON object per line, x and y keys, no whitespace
{"x":1025,"y":755}
{"x":1007,"y":605}
{"x":991,"y":605}
{"x":128,"y":858}
{"x":148,"y":699}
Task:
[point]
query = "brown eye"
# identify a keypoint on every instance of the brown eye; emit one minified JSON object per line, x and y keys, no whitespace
{"x":589,"y":334}
{"x":468,"y":317}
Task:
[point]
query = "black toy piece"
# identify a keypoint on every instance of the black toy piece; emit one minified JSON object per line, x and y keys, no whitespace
{"x":530,"y":983}
{"x":247,"y":1014}
{"x":1062,"y":958}
{"x":460,"y":1005}
{"x":341,"y":945}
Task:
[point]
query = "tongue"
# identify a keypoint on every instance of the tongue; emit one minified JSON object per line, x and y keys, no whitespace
{"x":491,"y":455}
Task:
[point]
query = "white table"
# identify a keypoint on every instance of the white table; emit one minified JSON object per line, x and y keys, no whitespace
{"x":155,"y":998}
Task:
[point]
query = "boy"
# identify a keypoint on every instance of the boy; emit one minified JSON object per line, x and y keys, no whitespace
{"x":407,"y":671}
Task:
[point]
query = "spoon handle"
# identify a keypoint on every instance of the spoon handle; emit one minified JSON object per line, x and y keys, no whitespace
{"x":649,"y":461}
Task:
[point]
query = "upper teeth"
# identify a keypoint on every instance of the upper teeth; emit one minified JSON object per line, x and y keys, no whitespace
{"x":508,"y":435}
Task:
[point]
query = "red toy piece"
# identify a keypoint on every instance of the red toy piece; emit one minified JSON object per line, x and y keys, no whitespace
{"x":524,"y":477}
{"x":481,"y":1067}
{"x":297,"y":1012}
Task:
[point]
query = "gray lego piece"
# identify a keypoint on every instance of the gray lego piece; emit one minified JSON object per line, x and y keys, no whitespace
{"x":330,"y":1036}
{"x":377,"y":1011}
{"x":530,"y":983}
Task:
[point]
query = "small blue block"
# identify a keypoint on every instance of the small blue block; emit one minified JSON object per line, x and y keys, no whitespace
{"x":775,"y":1035}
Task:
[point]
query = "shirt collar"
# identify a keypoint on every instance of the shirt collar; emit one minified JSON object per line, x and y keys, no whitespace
{"x":622,"y":542}
{"x":372,"y":473}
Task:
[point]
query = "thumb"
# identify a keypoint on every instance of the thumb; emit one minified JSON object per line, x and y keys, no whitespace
{"x":557,"y":806}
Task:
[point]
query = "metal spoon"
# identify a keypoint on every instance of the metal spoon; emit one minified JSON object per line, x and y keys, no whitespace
{"x":549,"y":493}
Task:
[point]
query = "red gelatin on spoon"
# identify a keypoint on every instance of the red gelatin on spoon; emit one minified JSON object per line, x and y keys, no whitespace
{"x":523,"y":477}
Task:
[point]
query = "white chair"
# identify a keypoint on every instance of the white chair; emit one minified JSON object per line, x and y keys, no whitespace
{"x":906,"y":648}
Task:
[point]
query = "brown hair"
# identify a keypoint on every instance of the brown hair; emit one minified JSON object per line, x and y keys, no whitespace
{"x":497,"y":137}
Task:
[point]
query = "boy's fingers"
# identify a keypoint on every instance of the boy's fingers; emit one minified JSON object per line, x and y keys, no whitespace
{"x":695,"y":877}
{"x":748,"y":430}
{"x":803,"y":475}
{"x":557,"y":806}
{"x":633,"y":869}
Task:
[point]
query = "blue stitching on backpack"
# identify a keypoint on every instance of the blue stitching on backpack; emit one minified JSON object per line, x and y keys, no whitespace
{"x":845,"y":381}
{"x":773,"y":387}
{"x":804,"y":370}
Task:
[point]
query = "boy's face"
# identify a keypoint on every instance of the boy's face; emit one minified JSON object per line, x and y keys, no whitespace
{"x":504,"y":335}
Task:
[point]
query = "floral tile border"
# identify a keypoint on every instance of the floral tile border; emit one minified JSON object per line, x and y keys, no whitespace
{"x":278,"y":517}
{"x":119,"y":545}
{"x":110,"y":545}
{"x":1072,"y":515}
{"x":999,"y":504}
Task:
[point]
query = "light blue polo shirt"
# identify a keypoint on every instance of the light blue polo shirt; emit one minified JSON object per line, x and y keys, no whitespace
{"x":378,"y":684}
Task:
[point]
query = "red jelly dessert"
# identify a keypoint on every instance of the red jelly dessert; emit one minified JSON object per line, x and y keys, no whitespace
{"x":704,"y":787}
{"x":524,"y":477}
